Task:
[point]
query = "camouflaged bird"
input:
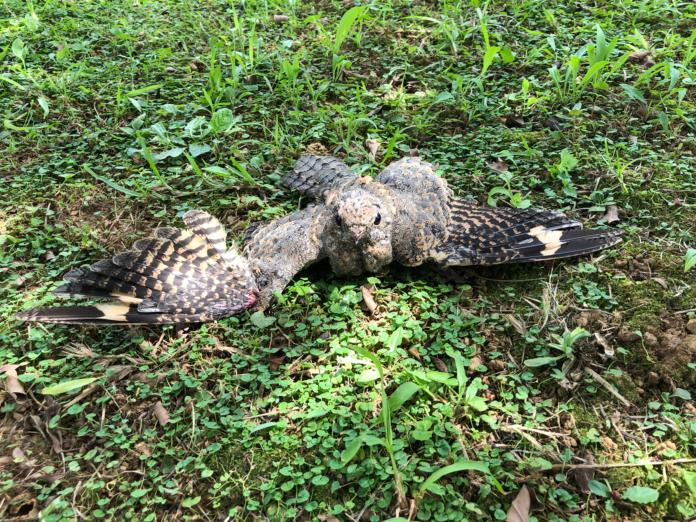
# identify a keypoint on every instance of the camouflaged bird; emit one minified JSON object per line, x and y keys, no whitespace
{"x":406,"y":215}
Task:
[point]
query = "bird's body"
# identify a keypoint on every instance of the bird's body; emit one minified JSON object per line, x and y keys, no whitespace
{"x":406,"y":215}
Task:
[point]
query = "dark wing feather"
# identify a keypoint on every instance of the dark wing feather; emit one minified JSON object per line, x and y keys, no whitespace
{"x":314,"y":176}
{"x":177,"y":276}
{"x":485,"y":236}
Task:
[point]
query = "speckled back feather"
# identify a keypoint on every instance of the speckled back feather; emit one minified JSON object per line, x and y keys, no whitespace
{"x":314,"y":176}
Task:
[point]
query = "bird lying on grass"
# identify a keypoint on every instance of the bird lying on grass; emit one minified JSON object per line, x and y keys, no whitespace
{"x":406,"y":215}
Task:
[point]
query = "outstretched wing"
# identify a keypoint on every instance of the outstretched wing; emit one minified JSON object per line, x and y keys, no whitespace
{"x":314,"y":176}
{"x":280,"y":249}
{"x":176,"y":276}
{"x":485,"y":236}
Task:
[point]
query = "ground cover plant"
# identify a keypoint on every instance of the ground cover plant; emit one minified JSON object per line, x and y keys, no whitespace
{"x":409,"y":394}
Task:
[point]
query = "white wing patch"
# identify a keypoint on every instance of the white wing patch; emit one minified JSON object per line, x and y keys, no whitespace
{"x":113,"y":312}
{"x":550,"y":238}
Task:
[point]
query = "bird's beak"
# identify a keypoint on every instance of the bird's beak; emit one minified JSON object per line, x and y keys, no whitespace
{"x":358,"y":233}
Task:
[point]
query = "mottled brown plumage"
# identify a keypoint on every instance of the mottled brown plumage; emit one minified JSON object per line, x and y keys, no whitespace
{"x":406,"y":215}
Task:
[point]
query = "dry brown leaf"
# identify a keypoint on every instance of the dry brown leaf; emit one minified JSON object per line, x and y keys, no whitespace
{"x":475,"y":363}
{"x":612,"y":215}
{"x":518,"y":325}
{"x":276,"y":362}
{"x":18,"y":455}
{"x":440,"y":365}
{"x":583,"y":476}
{"x":660,"y":281}
{"x":368,"y":299}
{"x":280,"y":19}
{"x":161,"y":414}
{"x":639,"y":56}
{"x":498,"y":165}
{"x":414,"y":351}
{"x":602,"y":341}
{"x":519,"y":511}
{"x":513,"y":121}
{"x":12,"y":384}
{"x":373,"y":148}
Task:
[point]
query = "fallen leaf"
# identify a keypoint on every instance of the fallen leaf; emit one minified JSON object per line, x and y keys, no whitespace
{"x":18,"y":455}
{"x":280,"y":19}
{"x":161,"y":414}
{"x":368,"y":299}
{"x":518,"y":325}
{"x":276,"y":362}
{"x":143,"y":449}
{"x":519,"y":511}
{"x":373,"y":148}
{"x":497,"y":165}
{"x":639,"y":56}
{"x":474,"y":363}
{"x":583,"y":476}
{"x":660,"y":281}
{"x":414,"y":351}
{"x":513,"y":121}
{"x":612,"y":215}
{"x":602,"y":341}
{"x":440,"y":365}
{"x":12,"y":384}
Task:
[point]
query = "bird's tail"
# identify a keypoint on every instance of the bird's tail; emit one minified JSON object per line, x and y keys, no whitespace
{"x":176,"y":276}
{"x":486,"y":236}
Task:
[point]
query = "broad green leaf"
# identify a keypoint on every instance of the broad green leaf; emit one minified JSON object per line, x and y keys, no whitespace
{"x":197,"y":128}
{"x":403,"y":393}
{"x":683,"y":394}
{"x":540,"y":361}
{"x":367,"y":376}
{"x":351,"y":450}
{"x":43,"y":103}
{"x":690,"y":479}
{"x":137,"y":493}
{"x":633,"y":93}
{"x":190,"y":502}
{"x":395,"y":339}
{"x":488,"y":57}
{"x":690,"y":259}
{"x":198,"y":149}
{"x":422,"y":435}
{"x":111,"y":183}
{"x":67,"y":386}
{"x":599,"y":488}
{"x":641,"y":495}
{"x":222,"y":120}
{"x":261,"y":427}
{"x":461,"y":465}
{"x":345,"y":25}
{"x":144,"y":90}
{"x":261,"y":321}
{"x":170,"y":153}
{"x":19,"y":49}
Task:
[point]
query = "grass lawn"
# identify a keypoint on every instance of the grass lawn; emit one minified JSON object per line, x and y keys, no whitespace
{"x":458,"y":388}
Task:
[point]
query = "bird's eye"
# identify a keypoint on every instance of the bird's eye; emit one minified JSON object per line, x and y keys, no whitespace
{"x":378,"y":218}
{"x":339,"y":221}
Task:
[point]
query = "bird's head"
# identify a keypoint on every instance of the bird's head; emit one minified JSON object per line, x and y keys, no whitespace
{"x":360,"y":214}
{"x":365,"y":220}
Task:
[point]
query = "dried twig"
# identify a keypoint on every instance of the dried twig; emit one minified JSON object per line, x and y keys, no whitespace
{"x":556,"y":467}
{"x":607,"y":385}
